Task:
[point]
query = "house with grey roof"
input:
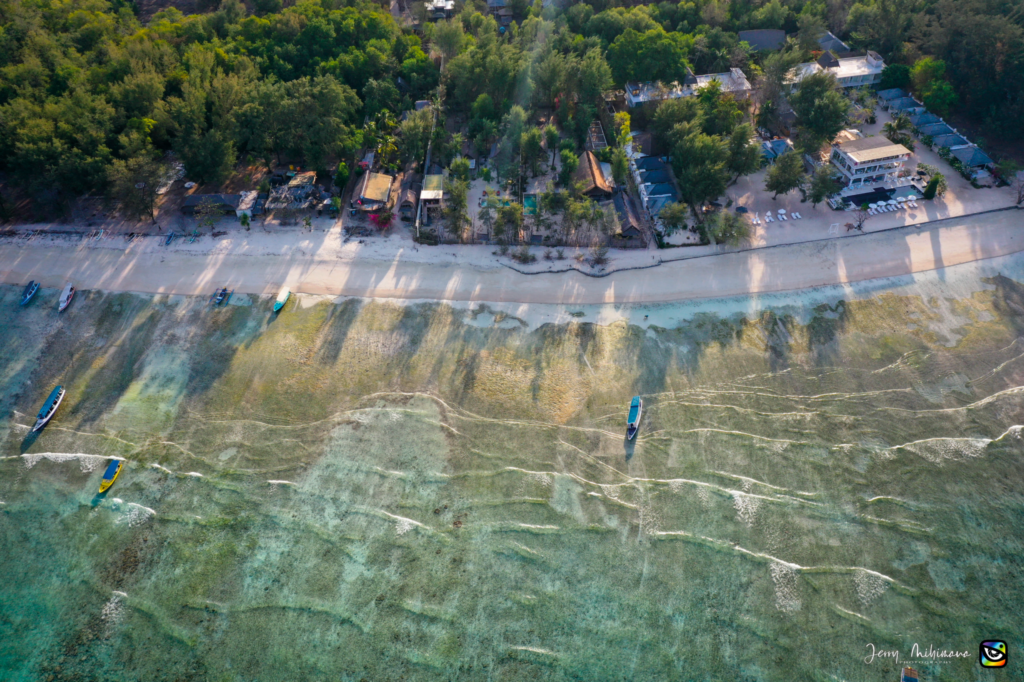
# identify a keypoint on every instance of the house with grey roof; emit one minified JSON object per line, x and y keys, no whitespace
{"x":927,"y":118}
{"x":763,"y":38}
{"x":906,"y":105}
{"x":829,"y":42}
{"x":972,"y":157}
{"x":951,"y":141}
{"x":936,"y":129}
{"x":890,"y":94}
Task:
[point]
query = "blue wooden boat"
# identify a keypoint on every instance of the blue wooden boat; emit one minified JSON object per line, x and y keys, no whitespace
{"x":636,"y":408}
{"x":111,"y":474}
{"x":30,"y":290}
{"x":282,"y":298}
{"x":49,"y":408}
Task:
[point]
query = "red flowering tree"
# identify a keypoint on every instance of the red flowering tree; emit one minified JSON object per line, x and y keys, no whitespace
{"x":382,"y":220}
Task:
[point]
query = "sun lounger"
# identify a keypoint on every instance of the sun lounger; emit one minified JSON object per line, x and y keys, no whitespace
{"x":913,"y":204}
{"x":768,"y":218}
{"x":797,"y":216}
{"x":782,"y":216}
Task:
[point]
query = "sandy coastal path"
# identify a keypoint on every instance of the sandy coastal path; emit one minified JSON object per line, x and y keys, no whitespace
{"x":783,"y":268}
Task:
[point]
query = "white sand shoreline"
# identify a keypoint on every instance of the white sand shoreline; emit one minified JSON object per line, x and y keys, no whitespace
{"x":322,"y":264}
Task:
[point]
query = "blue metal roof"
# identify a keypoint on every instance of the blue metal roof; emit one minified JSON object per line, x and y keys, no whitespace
{"x":891,"y":94}
{"x":972,"y":157}
{"x":775,"y":148}
{"x":927,"y":118}
{"x":947,"y":141}
{"x":934,"y":129}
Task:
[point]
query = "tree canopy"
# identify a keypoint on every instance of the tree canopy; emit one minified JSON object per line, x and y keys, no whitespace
{"x":821,"y":110}
{"x":89,"y":91}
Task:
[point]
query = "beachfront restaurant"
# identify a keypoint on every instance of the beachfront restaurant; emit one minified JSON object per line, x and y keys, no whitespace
{"x":869,"y":161}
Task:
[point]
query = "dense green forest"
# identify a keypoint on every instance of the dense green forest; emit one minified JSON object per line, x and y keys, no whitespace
{"x":89,"y":95}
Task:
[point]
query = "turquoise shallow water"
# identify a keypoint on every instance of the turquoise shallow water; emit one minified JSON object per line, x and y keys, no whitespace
{"x":368,"y":491}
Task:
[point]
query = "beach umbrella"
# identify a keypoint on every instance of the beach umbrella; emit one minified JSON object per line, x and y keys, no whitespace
{"x":872,"y":205}
{"x":782,"y":210}
{"x":892,"y":202}
{"x":901,"y":199}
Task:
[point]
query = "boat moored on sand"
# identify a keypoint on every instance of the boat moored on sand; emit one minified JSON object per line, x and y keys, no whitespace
{"x":111,"y":474}
{"x":636,"y":408}
{"x":222,"y":295}
{"x":49,"y":408}
{"x":30,"y":290}
{"x":282,"y":298}
{"x":65,"y":297}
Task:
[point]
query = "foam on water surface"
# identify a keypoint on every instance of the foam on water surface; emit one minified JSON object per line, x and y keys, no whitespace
{"x":383,"y":489}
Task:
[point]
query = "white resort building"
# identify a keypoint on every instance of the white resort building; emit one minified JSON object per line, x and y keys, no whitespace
{"x":851,"y":72}
{"x":733,"y":82}
{"x":869,"y":161}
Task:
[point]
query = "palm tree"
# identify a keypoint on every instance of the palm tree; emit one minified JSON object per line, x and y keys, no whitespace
{"x":896,"y":130}
{"x":897,"y":127}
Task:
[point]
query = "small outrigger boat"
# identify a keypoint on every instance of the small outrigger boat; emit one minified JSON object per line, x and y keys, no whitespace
{"x":65,"y":297}
{"x":282,"y":298}
{"x":49,"y":408}
{"x":110,"y":475}
{"x":636,"y":408}
{"x":30,"y":290}
{"x":221,"y":296}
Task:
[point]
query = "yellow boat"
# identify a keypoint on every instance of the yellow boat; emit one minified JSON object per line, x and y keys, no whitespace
{"x":110,"y":475}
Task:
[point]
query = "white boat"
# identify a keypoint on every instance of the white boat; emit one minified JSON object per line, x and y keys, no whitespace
{"x":636,"y":408}
{"x":49,"y":408}
{"x":65,"y":297}
{"x":282,"y":298}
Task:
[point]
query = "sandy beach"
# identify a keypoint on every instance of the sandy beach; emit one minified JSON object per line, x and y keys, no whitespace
{"x":323,"y":264}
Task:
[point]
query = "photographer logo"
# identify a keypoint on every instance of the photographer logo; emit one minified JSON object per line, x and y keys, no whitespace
{"x":993,"y":654}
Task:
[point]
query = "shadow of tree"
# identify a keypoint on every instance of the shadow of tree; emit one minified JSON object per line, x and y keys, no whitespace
{"x":335,"y":330}
{"x":120,"y":368}
{"x":823,"y":330}
{"x":218,"y":341}
{"x":1008,"y":300}
{"x":777,"y":338}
